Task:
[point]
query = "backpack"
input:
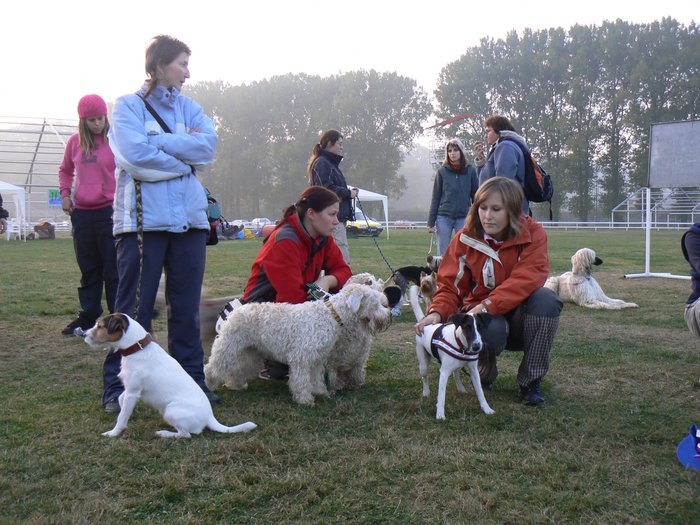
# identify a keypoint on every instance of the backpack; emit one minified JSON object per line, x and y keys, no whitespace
{"x":537,"y":185}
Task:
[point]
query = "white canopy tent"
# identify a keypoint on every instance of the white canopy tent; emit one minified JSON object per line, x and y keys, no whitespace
{"x":370,"y":196}
{"x":18,"y":223}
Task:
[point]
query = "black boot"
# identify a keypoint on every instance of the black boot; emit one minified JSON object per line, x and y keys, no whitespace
{"x":530,"y":395}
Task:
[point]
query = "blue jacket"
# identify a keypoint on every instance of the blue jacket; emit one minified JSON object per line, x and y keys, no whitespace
{"x":453,"y":193}
{"x":506,"y":160}
{"x":690,"y":244}
{"x":326,"y":172}
{"x":173,"y":198}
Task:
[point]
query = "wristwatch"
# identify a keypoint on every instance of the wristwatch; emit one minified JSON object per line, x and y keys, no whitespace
{"x":484,"y":310}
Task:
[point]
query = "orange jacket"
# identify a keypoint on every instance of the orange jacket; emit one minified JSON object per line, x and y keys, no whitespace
{"x":520,"y":266}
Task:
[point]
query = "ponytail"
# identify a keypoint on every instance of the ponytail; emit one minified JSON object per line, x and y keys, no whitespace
{"x":328,"y":137}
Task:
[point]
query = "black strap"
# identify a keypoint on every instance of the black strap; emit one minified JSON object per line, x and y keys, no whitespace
{"x":156,"y":116}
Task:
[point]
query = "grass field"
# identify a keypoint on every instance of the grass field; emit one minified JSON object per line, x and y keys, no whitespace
{"x":621,"y":394}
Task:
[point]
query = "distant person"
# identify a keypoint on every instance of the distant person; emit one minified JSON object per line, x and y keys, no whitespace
{"x":690,"y":246}
{"x":300,"y":250}
{"x":4,"y":215}
{"x":497,"y":265}
{"x":88,"y":165}
{"x":324,"y":169}
{"x":160,"y":164}
{"x":455,"y":184}
{"x":504,"y":159}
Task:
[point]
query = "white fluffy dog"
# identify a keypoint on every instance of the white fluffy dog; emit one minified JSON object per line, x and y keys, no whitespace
{"x":455,"y":344}
{"x":149,"y":373}
{"x":579,"y":287}
{"x":299,"y":335}
{"x":347,"y":360}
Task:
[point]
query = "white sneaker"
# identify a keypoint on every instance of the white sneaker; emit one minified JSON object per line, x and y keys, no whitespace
{"x":225,"y":313}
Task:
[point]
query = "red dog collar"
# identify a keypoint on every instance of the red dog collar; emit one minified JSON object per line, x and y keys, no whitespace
{"x":136,"y":346}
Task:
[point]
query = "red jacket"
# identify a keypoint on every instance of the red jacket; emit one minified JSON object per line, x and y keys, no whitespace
{"x":289,"y":260}
{"x":523,"y":267}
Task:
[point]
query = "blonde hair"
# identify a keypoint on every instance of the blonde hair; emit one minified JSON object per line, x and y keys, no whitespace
{"x":512,"y":194}
{"x":86,"y":138}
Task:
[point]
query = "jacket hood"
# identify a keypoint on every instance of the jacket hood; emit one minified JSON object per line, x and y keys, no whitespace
{"x":512,"y":135}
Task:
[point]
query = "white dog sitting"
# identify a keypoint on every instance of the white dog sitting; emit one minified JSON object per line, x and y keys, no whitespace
{"x":299,"y":335}
{"x":149,"y":373}
{"x":455,"y":344}
{"x":579,"y":287}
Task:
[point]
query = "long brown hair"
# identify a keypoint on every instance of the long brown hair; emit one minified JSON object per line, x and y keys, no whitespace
{"x":162,"y":50}
{"x":86,"y":138}
{"x":512,"y":195}
{"x":328,"y":138}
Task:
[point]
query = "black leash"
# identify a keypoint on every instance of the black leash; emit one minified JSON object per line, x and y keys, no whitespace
{"x":396,"y":275}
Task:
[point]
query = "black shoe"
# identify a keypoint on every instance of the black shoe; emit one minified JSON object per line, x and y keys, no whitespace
{"x":212,"y":397}
{"x":79,"y":322}
{"x":530,"y":395}
{"x":112,"y":406}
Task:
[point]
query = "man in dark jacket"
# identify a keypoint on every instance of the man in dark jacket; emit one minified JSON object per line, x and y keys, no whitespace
{"x":4,"y":214}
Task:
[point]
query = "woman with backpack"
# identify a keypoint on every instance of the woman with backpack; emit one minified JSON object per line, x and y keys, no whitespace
{"x":454,"y":187}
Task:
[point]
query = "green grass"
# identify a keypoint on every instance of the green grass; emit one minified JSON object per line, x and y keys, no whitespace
{"x":621,"y":394}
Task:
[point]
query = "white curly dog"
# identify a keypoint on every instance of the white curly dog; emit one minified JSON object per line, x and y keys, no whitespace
{"x":348,"y":359}
{"x":302,"y":336}
{"x":580,"y":287}
{"x":149,"y":373}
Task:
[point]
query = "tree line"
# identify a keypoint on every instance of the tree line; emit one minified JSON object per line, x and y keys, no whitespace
{"x":584,"y":99}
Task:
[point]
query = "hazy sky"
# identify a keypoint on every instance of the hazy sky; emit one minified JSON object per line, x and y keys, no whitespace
{"x":56,"y":51}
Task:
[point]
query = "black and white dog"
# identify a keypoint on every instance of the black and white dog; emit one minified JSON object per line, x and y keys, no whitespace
{"x":455,"y":344}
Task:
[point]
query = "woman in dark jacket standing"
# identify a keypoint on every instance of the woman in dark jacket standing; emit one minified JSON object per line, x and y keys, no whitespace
{"x":324,"y":170}
{"x":455,"y":184}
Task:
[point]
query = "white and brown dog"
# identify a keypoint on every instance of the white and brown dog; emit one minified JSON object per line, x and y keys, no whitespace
{"x":580,"y":287}
{"x":149,"y":373}
{"x":456,"y":345}
{"x":302,"y":336}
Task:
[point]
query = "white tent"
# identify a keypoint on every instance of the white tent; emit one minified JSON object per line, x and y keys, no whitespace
{"x":370,"y":196}
{"x":18,"y":224}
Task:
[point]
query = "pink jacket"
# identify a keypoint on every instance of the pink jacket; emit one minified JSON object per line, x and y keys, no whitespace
{"x":94,"y":175}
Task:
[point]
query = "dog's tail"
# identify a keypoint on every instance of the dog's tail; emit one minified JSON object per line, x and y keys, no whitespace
{"x":413,"y":299}
{"x":214,"y":425}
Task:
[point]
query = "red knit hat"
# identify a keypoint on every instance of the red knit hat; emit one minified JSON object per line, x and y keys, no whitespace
{"x":91,"y":106}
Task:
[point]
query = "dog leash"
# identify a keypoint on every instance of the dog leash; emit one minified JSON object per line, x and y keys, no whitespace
{"x":432,"y":242}
{"x":394,"y":274}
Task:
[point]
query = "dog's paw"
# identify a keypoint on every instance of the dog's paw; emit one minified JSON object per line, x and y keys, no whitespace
{"x":488,"y":411}
{"x":112,"y":433}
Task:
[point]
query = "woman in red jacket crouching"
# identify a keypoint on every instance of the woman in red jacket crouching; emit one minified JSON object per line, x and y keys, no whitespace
{"x":295,"y":254}
{"x":498,"y":265}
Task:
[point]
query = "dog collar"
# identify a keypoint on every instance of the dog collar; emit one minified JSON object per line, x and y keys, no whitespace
{"x":460,"y":352}
{"x":335,"y":315}
{"x":138,"y":345}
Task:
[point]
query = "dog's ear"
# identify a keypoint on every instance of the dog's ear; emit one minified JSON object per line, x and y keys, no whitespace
{"x":117,"y":322}
{"x":598,"y":261}
{"x":483,"y":320}
{"x":393,"y":295}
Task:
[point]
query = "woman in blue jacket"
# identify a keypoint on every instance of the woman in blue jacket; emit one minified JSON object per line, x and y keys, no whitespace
{"x":160,"y":164}
{"x":453,"y":192}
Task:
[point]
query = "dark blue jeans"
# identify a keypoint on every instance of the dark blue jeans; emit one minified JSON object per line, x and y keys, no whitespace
{"x":96,"y":256}
{"x":182,"y":256}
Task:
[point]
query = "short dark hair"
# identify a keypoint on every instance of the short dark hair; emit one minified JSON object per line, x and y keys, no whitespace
{"x":498,"y":123}
{"x":162,"y":50}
